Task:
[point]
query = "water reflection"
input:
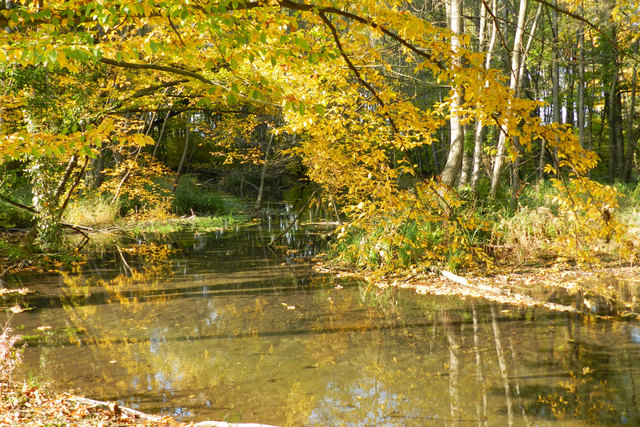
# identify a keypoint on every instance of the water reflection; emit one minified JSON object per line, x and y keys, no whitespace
{"x":217,"y":326}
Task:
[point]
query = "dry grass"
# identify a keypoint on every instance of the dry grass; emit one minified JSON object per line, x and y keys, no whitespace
{"x":91,"y":212}
{"x":528,"y":235}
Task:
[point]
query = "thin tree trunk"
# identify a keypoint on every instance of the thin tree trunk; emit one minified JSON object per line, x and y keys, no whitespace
{"x":555,"y":67}
{"x":164,"y":125}
{"x":479,"y":131}
{"x":515,"y":177}
{"x":183,"y":158}
{"x":436,"y":162}
{"x":570,"y":110}
{"x":525,"y":53}
{"x":452,"y":168}
{"x":555,"y":85}
{"x":466,"y":163}
{"x":616,"y":148}
{"x":581,"y":84}
{"x":631,"y":135}
{"x":258,"y":204}
{"x":513,"y":85}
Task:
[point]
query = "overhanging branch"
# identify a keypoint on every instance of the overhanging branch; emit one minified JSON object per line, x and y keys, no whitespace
{"x":354,"y":70}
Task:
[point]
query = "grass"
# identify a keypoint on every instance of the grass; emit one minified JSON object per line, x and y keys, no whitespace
{"x":93,"y":210}
{"x":172,"y":224}
{"x":192,"y":197}
{"x":530,"y":233}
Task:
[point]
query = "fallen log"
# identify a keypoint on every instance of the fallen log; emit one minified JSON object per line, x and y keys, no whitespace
{"x":511,"y":295}
{"x":161,"y":420}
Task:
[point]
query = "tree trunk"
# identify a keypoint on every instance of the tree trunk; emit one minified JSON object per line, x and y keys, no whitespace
{"x":616,"y":143}
{"x":466,"y":162}
{"x":183,"y":158}
{"x":258,"y":204}
{"x":555,"y":68}
{"x":581,"y":84}
{"x":631,"y":113}
{"x":555,"y":86}
{"x":513,"y":85}
{"x":479,"y":131}
{"x":452,"y":168}
{"x":570,"y":111}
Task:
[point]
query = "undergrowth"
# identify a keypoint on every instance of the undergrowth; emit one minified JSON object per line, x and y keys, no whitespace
{"x":532,"y":232}
{"x":193,"y":197}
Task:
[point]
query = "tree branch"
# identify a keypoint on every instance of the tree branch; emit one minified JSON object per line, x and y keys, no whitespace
{"x":354,"y":70}
{"x":149,"y":90}
{"x":320,"y":10}
{"x":17,"y":204}
{"x":578,"y":18}
{"x":156,"y":67}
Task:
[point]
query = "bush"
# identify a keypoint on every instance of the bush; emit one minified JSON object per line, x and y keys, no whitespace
{"x":193,"y":196}
{"x":12,"y":216}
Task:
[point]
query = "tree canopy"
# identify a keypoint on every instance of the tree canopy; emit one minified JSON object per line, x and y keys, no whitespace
{"x":350,"y":80}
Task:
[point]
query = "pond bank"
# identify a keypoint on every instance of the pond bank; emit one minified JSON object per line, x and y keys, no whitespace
{"x":607,"y":292}
{"x":24,"y":404}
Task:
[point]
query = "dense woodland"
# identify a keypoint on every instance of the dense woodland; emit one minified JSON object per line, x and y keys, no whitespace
{"x":422,"y":123}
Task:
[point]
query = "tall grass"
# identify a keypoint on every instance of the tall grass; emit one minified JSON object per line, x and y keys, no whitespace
{"x":93,"y":210}
{"x":193,"y":197}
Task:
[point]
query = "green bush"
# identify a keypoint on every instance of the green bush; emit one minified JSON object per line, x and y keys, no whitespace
{"x":12,"y":216}
{"x":193,"y":196}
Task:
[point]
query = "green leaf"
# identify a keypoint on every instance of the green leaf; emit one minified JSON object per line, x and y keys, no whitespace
{"x":232,"y":98}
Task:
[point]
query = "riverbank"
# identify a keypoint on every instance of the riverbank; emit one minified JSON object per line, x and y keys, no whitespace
{"x":25,"y":404}
{"x":605,"y":292}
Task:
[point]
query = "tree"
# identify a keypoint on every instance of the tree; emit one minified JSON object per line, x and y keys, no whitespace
{"x":452,"y":168}
{"x":320,"y":68}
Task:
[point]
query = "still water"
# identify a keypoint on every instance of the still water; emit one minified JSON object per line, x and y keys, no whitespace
{"x":217,"y":326}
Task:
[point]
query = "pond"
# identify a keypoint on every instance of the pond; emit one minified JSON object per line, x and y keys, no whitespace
{"x":217,"y":326}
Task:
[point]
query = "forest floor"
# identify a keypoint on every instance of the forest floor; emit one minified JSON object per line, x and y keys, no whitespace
{"x":24,"y":404}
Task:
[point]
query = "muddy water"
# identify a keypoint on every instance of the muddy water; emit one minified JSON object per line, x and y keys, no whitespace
{"x":229,"y":330}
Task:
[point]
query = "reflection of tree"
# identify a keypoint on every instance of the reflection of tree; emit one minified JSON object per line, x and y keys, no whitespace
{"x":481,"y":404}
{"x":454,"y":370}
{"x":199,"y":344}
{"x":502,"y":363}
{"x":596,"y":388}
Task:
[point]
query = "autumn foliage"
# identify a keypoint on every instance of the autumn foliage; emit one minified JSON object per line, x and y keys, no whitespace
{"x":320,"y":71}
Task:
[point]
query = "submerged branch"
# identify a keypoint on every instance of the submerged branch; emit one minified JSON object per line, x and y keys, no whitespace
{"x":294,"y":220}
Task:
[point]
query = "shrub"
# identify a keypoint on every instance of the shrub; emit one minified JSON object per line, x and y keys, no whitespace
{"x":193,"y":196}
